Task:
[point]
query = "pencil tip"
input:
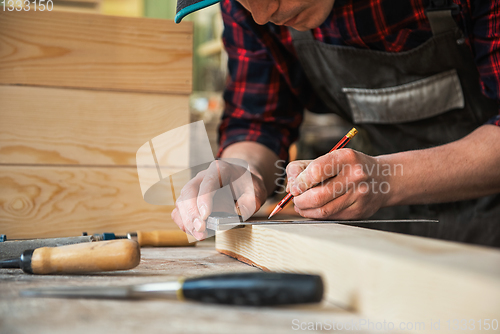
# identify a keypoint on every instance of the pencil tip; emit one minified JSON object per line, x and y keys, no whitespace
{"x":275,"y":211}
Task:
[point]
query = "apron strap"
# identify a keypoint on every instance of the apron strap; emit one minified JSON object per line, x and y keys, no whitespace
{"x":440,"y":15}
{"x":441,"y":21}
{"x":301,"y":35}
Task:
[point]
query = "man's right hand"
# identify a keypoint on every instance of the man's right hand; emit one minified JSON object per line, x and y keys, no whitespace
{"x":196,"y":201}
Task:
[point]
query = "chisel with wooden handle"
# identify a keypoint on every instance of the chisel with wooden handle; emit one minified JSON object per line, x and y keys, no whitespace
{"x":252,"y":289}
{"x":79,"y":258}
{"x":161,"y":238}
{"x":166,"y":238}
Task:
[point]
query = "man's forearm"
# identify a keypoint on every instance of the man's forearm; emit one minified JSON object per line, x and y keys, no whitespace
{"x":261,"y":160}
{"x":465,"y":169}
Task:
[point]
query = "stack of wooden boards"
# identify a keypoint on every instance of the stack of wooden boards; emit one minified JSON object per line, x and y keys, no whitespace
{"x":79,"y":94}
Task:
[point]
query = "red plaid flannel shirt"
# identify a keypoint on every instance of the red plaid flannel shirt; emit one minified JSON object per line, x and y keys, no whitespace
{"x":267,"y":89}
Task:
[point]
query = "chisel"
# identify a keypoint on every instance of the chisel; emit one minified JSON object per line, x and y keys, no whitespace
{"x":12,"y":249}
{"x":162,"y":238}
{"x":252,"y":289}
{"x":79,"y":258}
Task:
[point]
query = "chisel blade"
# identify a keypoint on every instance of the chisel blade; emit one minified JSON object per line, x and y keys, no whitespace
{"x":104,"y":292}
{"x":140,"y":291}
{"x":15,"y":248}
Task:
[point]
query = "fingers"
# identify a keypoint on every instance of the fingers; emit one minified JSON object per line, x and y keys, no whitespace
{"x":187,"y":209}
{"x":321,"y":169}
{"x":343,"y":184}
{"x":320,"y":195}
{"x":216,"y":189}
{"x":208,"y":186}
{"x":177,"y":219}
{"x":339,"y":208}
{"x":293,"y":169}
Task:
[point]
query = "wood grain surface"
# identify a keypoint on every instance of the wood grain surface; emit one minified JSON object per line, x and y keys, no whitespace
{"x":66,"y":201}
{"x":379,"y":275}
{"x":63,"y":49}
{"x":80,"y":316}
{"x":41,"y":125}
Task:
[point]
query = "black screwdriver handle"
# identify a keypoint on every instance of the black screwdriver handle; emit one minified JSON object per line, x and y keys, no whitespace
{"x":255,"y":289}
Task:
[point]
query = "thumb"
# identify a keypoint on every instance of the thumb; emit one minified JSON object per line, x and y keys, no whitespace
{"x":247,"y":204}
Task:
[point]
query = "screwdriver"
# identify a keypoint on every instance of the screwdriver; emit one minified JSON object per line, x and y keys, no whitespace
{"x":78,"y":258}
{"x":252,"y":289}
{"x":162,"y":238}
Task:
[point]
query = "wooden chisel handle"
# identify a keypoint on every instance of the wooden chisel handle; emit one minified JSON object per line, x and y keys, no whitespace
{"x":84,"y":258}
{"x":173,"y":238}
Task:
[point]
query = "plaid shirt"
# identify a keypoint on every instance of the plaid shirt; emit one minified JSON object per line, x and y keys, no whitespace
{"x":267,"y":89}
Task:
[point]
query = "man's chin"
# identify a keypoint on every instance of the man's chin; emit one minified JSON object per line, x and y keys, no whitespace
{"x":301,"y":28}
{"x":305,"y":26}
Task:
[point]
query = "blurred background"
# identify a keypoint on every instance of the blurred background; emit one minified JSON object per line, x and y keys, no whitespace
{"x":319,"y":132}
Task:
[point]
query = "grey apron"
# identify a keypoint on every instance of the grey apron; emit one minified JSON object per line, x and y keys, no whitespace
{"x":417,"y":99}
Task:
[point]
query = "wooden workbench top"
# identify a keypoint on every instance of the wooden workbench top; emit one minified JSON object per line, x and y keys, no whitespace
{"x":87,"y":316}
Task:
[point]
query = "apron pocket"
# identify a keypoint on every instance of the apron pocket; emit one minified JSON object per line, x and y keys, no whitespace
{"x":414,"y":101}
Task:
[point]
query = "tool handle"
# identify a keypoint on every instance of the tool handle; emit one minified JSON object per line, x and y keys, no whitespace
{"x":255,"y":289}
{"x":83,"y":258}
{"x":163,"y":238}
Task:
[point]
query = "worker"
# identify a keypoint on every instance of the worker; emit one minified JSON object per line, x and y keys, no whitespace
{"x":420,"y":77}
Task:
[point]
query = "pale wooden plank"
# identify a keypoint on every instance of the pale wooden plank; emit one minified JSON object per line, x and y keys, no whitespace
{"x":377,"y":274}
{"x":68,"y":126}
{"x":65,"y":201}
{"x":80,"y":50}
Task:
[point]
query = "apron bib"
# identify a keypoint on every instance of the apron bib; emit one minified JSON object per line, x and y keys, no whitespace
{"x":424,"y":97}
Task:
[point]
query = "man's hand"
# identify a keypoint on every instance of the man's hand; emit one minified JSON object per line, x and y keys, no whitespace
{"x":202,"y":195}
{"x":343,"y":184}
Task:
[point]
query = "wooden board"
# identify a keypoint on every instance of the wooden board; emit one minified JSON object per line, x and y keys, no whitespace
{"x":65,"y":201}
{"x":379,"y":275}
{"x":63,"y":49}
{"x":69,"y":126}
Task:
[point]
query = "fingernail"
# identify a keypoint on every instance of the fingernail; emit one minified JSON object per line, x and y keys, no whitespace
{"x":198,"y":224}
{"x":244,"y":212}
{"x":203,"y":211}
{"x":295,"y":190}
{"x":199,"y":236}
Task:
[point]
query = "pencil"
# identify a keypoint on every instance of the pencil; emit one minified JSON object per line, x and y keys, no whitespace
{"x":341,"y":144}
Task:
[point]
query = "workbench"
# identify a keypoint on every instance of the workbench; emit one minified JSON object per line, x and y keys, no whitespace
{"x":52,"y":315}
